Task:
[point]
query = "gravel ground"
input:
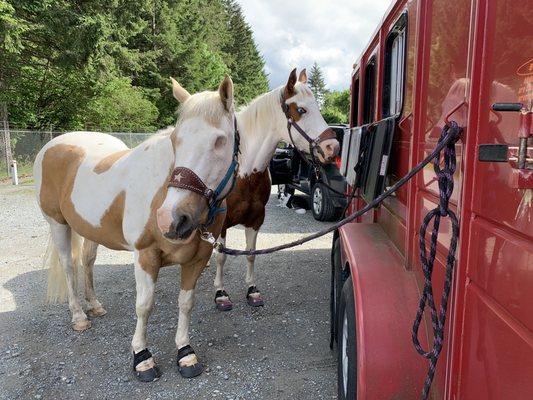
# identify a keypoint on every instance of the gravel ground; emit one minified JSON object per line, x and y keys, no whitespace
{"x":278,"y":352}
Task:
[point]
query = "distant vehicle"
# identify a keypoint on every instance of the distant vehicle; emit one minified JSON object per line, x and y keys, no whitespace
{"x":291,"y":173}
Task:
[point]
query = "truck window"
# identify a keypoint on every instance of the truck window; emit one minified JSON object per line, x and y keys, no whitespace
{"x":393,"y":84}
{"x":370,"y":91}
{"x":355,"y":101}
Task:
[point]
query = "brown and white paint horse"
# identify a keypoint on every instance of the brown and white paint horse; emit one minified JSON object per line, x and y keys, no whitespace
{"x":90,"y":185}
{"x":262,"y":125}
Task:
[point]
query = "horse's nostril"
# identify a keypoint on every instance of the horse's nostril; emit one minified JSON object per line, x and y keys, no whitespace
{"x":181,"y":224}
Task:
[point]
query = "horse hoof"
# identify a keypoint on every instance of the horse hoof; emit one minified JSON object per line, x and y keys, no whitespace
{"x":150,"y":375}
{"x":187,"y":355}
{"x":82,"y":325}
{"x":255,"y":301}
{"x":96,"y":312}
{"x":253,"y":297}
{"x":223,"y":301}
{"x":191,"y":371}
{"x":144,"y":367}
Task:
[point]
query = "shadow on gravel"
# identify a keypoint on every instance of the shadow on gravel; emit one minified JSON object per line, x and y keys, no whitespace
{"x":276,"y":352}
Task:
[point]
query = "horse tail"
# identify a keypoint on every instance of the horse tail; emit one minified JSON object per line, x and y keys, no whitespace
{"x":57,"y":282}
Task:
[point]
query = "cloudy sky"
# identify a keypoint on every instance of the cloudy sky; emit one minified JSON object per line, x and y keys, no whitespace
{"x":297,"y":33}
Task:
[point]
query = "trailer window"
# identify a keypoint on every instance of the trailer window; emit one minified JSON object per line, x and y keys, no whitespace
{"x":394,"y":68}
{"x":355,"y":102}
{"x":370,"y":91}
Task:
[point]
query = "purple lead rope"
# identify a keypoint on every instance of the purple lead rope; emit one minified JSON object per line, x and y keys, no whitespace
{"x":451,"y":136}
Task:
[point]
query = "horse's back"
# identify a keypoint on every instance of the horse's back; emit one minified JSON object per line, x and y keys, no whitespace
{"x":60,"y":158}
{"x":57,"y":164}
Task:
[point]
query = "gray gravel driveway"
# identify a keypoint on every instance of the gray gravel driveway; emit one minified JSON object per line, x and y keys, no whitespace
{"x":277,"y":352}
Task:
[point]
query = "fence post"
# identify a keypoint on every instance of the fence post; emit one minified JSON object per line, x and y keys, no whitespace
{"x":6,"y":143}
{"x":14,"y":174}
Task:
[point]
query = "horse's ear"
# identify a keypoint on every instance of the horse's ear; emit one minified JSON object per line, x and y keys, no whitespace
{"x":179,"y":91}
{"x":303,"y":76}
{"x":226,"y":93}
{"x":289,"y":87}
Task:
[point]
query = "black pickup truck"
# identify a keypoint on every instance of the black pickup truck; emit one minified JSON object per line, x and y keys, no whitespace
{"x":291,"y":173}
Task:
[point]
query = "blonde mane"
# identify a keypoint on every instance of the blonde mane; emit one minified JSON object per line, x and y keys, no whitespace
{"x":263,"y":110}
{"x":206,"y":105}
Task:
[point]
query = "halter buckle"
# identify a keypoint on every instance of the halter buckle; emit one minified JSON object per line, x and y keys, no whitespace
{"x":207,"y":236}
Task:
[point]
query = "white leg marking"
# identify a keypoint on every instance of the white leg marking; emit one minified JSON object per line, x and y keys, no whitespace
{"x":251,"y":240}
{"x":145,"y":286}
{"x":220,"y":260}
{"x":61,"y":235}
{"x":186,"y":304}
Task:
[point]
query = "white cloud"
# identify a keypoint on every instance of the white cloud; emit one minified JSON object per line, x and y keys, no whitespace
{"x":297,"y":33}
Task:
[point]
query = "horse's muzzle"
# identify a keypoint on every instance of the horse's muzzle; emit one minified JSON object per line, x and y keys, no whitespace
{"x":176,"y":226}
{"x":330,"y":149}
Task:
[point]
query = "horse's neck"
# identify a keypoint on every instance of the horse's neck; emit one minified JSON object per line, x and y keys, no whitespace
{"x":261,"y":126}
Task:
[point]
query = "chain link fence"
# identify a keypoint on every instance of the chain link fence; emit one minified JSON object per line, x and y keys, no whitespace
{"x":22,"y":145}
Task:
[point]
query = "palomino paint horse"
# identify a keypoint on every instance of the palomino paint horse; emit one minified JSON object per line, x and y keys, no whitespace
{"x":149,"y":200}
{"x":263,"y":124}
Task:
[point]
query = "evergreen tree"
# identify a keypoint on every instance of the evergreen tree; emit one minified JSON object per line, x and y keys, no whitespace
{"x":60,"y":59}
{"x":317,"y":84}
{"x":243,"y":58}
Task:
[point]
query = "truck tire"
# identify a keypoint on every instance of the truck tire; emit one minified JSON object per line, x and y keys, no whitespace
{"x":321,"y":204}
{"x":338,"y":277}
{"x":347,"y":354}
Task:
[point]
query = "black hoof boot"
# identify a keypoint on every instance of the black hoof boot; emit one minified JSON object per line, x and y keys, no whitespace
{"x":192,"y":370}
{"x":149,"y":375}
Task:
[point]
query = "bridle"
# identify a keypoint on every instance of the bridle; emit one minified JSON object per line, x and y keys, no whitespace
{"x":314,"y":144}
{"x":185,"y":178}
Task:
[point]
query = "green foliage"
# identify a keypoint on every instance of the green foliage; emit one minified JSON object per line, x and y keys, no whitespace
{"x":336,"y":107}
{"x":317,"y":84}
{"x":244,"y":60}
{"x":122,"y":107}
{"x":61,"y":58}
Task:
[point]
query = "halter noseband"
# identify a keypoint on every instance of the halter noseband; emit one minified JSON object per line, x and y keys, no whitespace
{"x":314,"y":144}
{"x":185,"y":178}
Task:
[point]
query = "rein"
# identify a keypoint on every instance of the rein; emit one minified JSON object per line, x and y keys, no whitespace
{"x":185,"y":178}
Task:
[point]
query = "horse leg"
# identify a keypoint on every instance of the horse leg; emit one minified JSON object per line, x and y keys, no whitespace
{"x":88,"y":259}
{"x":188,"y":364}
{"x":146,"y":271}
{"x":222,"y":299}
{"x":61,"y":237}
{"x":253,"y":296}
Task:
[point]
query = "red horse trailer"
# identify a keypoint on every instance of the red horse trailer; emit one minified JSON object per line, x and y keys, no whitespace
{"x":429,"y":63}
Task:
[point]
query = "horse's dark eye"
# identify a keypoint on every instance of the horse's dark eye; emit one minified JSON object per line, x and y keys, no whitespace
{"x":301,"y":110}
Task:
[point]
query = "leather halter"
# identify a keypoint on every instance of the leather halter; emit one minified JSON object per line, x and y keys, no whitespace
{"x":185,"y":178}
{"x":314,"y":144}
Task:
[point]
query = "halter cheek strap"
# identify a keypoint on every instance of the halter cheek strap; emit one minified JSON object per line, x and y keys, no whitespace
{"x":314,"y":144}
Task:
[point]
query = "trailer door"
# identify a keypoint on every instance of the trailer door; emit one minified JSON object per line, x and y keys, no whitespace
{"x":494,"y":326}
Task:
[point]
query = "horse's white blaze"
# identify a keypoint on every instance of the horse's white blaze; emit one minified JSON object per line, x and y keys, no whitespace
{"x":145,"y":286}
{"x":185,"y":303}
